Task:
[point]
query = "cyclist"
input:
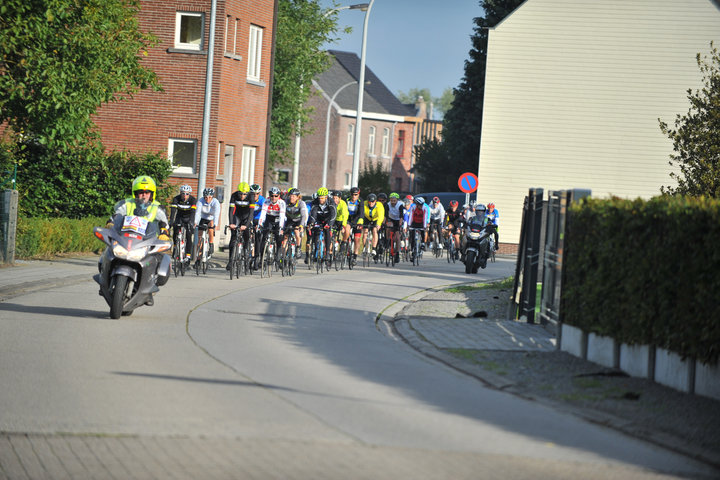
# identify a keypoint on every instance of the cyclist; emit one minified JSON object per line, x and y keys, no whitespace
{"x":296,"y":216}
{"x":341,"y":219}
{"x":272,"y":216}
{"x":355,"y":215}
{"x":208,"y":213}
{"x":374,"y":214}
{"x":454,"y":223}
{"x":259,"y":200}
{"x":240,"y":216}
{"x":394,"y":220}
{"x":493,"y":215}
{"x":182,"y":214}
{"x":437,"y":215}
{"x":418,"y":218}
{"x":323,"y":214}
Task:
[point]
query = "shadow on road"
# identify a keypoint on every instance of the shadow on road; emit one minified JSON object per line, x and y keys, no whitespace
{"x":53,"y":311}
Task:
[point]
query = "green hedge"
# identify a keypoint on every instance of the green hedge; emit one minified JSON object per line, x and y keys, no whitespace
{"x":646,"y":272}
{"x":42,"y":237}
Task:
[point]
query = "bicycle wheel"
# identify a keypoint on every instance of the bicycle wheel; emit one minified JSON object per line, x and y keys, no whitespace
{"x":176,"y":260}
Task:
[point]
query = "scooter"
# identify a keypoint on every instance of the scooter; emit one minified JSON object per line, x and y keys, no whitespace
{"x":477,"y":248}
{"x":133,"y":265}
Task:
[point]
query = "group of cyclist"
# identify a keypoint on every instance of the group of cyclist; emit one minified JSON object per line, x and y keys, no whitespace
{"x":286,"y":213}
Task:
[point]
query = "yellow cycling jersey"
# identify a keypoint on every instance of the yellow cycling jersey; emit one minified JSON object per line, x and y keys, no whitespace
{"x":342,"y":213}
{"x":376,"y":214}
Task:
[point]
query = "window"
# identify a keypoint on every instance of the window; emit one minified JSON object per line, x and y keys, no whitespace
{"x":283,"y":176}
{"x":386,"y":141}
{"x":182,"y":153}
{"x":351,"y":138}
{"x":247,"y":174}
{"x":348,"y":178}
{"x":401,"y":143}
{"x":255,"y":53}
{"x":371,"y":141}
{"x":231,"y":32}
{"x":189,"y":30}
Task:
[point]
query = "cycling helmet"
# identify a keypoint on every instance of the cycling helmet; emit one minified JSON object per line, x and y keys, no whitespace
{"x":294,"y":191}
{"x":408,"y":198}
{"x":208,"y":192}
{"x":491,"y":205}
{"x":314,"y":195}
{"x":186,"y":189}
{"x":144,"y":182}
{"x":382,"y":196}
{"x":255,"y":188}
{"x":420,"y":201}
{"x":394,"y":195}
{"x":274,"y":191}
{"x":243,"y":187}
{"x":453,"y":203}
{"x":322,"y":192}
{"x":372,"y":197}
{"x":436,"y":200}
{"x":337,"y":193}
{"x":480,"y":207}
{"x":354,"y":190}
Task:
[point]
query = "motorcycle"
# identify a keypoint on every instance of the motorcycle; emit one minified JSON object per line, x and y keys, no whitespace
{"x":477,"y":248}
{"x":133,"y":265}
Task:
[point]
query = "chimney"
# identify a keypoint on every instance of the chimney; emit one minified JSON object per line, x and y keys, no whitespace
{"x":421,"y":107}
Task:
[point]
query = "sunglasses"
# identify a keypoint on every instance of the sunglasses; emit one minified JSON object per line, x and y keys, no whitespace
{"x":274,"y":196}
{"x":355,"y":194}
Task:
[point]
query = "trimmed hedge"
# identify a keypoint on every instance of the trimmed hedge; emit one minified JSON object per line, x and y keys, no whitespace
{"x":42,"y":237}
{"x":646,"y":272}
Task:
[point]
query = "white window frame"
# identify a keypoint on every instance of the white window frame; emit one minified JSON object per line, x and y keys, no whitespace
{"x":247,"y":170}
{"x":255,"y":53}
{"x":178,"y":25}
{"x":181,"y":169}
{"x":386,"y":142}
{"x":284,"y":171}
{"x":348,"y":178}
{"x":350,"y":138}
{"x":371,"y":140}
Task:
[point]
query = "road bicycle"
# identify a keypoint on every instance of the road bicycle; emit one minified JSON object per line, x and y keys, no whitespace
{"x":267,"y":259}
{"x":367,"y":255}
{"x":390,"y":248}
{"x":179,"y":248}
{"x":289,"y":254}
{"x":318,"y":248}
{"x":404,"y":245}
{"x":239,"y":256}
{"x":416,"y":253}
{"x":339,"y":255}
{"x":450,"y":249}
{"x":435,"y":239}
{"x":201,"y":259}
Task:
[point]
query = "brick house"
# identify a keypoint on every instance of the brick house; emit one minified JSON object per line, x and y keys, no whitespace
{"x":388,"y":130}
{"x":172,"y":120}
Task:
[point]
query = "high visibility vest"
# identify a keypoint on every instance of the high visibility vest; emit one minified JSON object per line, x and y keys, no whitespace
{"x":152,"y":209}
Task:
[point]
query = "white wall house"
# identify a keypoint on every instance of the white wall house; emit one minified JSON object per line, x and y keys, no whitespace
{"x":573,"y":93}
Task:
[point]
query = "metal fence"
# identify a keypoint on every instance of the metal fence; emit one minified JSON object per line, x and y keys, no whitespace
{"x":542,"y":260}
{"x":8,"y":225}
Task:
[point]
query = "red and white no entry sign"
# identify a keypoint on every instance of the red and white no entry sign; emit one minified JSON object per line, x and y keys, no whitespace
{"x":468,"y":182}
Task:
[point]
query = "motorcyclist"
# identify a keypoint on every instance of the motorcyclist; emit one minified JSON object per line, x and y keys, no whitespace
{"x":144,"y":205}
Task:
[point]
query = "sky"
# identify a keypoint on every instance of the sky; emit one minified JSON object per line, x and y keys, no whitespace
{"x":411,"y":43}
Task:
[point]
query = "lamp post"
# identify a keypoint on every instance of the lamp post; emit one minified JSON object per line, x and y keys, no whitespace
{"x":361,"y":83}
{"x":327,"y":131}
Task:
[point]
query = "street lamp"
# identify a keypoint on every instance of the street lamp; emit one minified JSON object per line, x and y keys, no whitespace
{"x":361,"y":83}
{"x":327,"y":131}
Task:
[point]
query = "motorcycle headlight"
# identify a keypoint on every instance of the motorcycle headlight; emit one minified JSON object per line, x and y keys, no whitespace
{"x":473,"y":235}
{"x":134,"y":255}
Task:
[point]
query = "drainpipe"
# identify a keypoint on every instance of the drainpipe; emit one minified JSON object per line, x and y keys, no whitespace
{"x":208,"y":101}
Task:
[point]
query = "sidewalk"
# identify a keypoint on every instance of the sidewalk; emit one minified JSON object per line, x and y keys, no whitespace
{"x":465,"y":329}
{"x":31,"y":275}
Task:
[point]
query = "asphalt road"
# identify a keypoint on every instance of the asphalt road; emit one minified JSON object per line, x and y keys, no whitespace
{"x":273,"y":378}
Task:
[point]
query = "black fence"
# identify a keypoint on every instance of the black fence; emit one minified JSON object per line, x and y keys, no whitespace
{"x":542,"y":259}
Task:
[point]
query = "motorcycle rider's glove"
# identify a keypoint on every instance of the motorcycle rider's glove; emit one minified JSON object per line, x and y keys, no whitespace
{"x":163,"y":237}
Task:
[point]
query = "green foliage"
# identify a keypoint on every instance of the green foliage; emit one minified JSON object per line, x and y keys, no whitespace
{"x":440,"y":104}
{"x":43,"y":237}
{"x":374,"y":178}
{"x":79,"y":183}
{"x":61,"y":59}
{"x":444,"y":102}
{"x":463,"y":121}
{"x":432,"y":164}
{"x":696,"y":136}
{"x":302,"y":29}
{"x":646,"y":272}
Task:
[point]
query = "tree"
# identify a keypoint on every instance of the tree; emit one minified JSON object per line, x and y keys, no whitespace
{"x":412,"y":95}
{"x":444,"y":102}
{"x":463,"y":121}
{"x":303,"y":26}
{"x":440,"y":104}
{"x":696,"y":136}
{"x":62,"y":59}
{"x":374,"y":178}
{"x":431,"y":162}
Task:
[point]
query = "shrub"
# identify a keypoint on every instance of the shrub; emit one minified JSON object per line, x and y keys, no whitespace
{"x":43,"y":237}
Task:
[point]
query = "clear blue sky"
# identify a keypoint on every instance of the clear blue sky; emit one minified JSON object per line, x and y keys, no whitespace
{"x":412,"y":43}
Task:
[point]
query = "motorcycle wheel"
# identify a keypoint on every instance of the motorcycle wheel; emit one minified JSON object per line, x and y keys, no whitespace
{"x":120,"y":287}
{"x":470,"y":263}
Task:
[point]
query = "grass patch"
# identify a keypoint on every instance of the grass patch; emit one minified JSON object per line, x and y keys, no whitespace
{"x":500,"y":285}
{"x":477,"y":358}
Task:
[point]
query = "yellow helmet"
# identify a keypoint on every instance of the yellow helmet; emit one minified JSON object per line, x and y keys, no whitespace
{"x":143,"y":182}
{"x":243,"y":187}
{"x":322,"y":192}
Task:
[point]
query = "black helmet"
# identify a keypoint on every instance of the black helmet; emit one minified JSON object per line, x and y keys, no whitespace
{"x":354,"y":190}
{"x":372,"y":197}
{"x":382,"y":196}
{"x":294,"y":191}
